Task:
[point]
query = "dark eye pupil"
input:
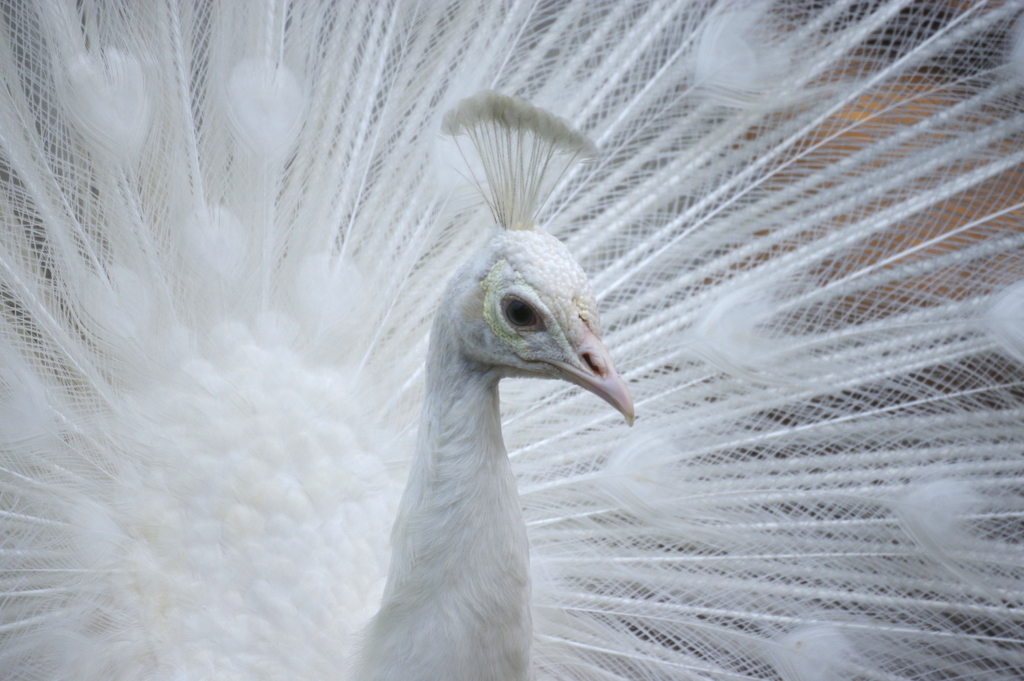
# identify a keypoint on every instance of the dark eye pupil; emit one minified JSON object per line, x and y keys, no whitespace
{"x":519,"y":313}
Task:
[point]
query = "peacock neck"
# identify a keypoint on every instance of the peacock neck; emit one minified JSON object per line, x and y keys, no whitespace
{"x":456,"y":605}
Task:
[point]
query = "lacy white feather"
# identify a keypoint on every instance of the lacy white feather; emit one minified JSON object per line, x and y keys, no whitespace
{"x":225,"y":228}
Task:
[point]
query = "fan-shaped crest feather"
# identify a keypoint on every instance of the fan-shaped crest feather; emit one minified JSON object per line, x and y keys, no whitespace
{"x":523,"y":150}
{"x":226,"y":227}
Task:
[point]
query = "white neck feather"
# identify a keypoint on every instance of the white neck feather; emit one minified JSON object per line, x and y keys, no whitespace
{"x":457,"y":601}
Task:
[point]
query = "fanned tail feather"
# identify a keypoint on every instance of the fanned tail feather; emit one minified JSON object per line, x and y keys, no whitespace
{"x":225,"y":227}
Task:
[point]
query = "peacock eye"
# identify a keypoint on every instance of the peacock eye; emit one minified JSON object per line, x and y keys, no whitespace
{"x":519,"y":313}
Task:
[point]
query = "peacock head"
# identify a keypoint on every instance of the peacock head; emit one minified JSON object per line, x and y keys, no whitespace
{"x":527,"y":309}
{"x":527,"y":305}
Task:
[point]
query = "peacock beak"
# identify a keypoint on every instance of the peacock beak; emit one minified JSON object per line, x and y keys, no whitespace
{"x":596,"y":373}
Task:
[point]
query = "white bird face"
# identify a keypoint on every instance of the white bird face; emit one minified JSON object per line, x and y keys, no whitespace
{"x":541,"y":316}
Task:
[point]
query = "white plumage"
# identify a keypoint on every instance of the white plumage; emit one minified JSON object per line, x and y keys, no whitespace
{"x":226,"y":228}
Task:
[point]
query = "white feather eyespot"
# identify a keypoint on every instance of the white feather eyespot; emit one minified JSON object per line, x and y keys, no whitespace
{"x":266,"y":103}
{"x":108,"y":102}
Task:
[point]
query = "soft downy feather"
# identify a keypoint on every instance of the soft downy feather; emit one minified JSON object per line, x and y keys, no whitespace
{"x":225,"y":229}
